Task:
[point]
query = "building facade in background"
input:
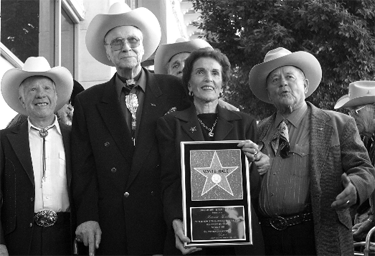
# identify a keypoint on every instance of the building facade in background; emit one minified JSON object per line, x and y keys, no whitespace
{"x":56,"y":29}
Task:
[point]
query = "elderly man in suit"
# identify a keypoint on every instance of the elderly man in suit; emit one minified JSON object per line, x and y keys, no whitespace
{"x":360,"y":101}
{"x":319,"y":165}
{"x":35,"y":163}
{"x":116,"y":163}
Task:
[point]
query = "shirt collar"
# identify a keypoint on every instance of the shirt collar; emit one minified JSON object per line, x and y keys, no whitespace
{"x":141,"y":82}
{"x":55,"y":123}
{"x":294,"y":118}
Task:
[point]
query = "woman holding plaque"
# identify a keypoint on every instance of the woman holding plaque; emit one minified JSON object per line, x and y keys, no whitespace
{"x":205,"y":74}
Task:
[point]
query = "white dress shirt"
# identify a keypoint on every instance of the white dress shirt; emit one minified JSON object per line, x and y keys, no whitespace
{"x":51,"y":191}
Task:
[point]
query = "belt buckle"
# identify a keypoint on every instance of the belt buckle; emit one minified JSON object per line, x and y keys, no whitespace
{"x":45,"y":218}
{"x":279,"y":223}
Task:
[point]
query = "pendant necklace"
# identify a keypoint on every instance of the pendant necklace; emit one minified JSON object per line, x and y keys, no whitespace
{"x":210,"y":130}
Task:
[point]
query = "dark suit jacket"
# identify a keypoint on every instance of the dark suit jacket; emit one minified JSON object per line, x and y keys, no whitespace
{"x":17,"y":186}
{"x":114,"y":182}
{"x":176,"y":127}
{"x":335,"y":148}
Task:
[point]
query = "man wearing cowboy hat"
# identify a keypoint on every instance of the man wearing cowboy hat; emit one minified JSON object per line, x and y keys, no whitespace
{"x":35,"y":163}
{"x":319,"y":166}
{"x":116,"y":163}
{"x":170,"y":58}
{"x":360,"y":102}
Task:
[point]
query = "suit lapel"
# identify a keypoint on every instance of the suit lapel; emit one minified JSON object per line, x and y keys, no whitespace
{"x":190,"y":124}
{"x":146,"y":140}
{"x":224,"y":125}
{"x":115,"y":121}
{"x":66,"y":140}
{"x":321,"y":133}
{"x":19,"y":140}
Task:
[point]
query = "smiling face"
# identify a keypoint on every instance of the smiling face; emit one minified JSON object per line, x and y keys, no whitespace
{"x":128,"y":53}
{"x":38,"y":97}
{"x":287,"y":87}
{"x":206,"y":80}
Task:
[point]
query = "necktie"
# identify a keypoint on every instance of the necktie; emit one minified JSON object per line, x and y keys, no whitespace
{"x":131,"y":101}
{"x":280,"y":140}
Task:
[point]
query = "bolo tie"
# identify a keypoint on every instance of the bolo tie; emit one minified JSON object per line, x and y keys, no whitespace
{"x":44,"y":133}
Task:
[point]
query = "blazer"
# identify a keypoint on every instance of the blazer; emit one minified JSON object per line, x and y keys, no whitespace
{"x":177,"y":127}
{"x":115,"y":183}
{"x":17,"y":187}
{"x":335,"y":148}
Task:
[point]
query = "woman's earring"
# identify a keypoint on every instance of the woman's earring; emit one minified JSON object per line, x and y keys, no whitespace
{"x":191,"y":93}
{"x":220,"y":95}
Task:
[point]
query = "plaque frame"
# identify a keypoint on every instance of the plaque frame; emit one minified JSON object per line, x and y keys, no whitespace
{"x":194,"y":153}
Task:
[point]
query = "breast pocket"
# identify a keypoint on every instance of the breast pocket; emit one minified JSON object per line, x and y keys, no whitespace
{"x":300,"y":154}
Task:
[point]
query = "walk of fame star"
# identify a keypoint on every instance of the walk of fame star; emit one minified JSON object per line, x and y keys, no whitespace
{"x":216,"y":175}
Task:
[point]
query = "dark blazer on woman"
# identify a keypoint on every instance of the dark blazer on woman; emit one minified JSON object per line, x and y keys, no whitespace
{"x":17,"y":187}
{"x":184,"y":126}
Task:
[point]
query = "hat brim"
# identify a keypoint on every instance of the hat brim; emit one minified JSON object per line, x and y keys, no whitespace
{"x":166,"y":51}
{"x":14,"y":77}
{"x":346,"y":102}
{"x":141,"y":18}
{"x":302,"y":60}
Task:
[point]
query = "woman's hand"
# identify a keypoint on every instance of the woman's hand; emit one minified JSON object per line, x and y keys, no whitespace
{"x":250,"y":149}
{"x":181,"y":238}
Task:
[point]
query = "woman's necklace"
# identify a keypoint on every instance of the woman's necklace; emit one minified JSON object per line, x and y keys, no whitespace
{"x":210,"y":131}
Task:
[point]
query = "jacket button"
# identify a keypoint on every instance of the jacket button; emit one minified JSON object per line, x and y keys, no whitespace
{"x":31,"y":224}
{"x":31,"y":199}
{"x":126,"y":194}
{"x":106,"y":144}
{"x":113,"y":169}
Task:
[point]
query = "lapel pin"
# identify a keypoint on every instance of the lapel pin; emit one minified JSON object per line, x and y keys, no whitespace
{"x":193,"y":129}
{"x":153,"y":104}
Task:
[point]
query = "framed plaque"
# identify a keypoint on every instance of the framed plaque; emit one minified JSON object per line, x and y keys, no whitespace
{"x":215,"y":193}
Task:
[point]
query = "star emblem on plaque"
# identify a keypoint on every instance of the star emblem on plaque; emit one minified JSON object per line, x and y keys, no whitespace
{"x":214,"y":180}
{"x":215,"y":194}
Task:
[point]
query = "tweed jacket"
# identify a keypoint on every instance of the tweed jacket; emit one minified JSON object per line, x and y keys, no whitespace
{"x":177,"y":127}
{"x":115,"y":183}
{"x":17,"y":187}
{"x":335,"y":148}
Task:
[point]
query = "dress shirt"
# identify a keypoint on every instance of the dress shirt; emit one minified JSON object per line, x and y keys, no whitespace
{"x":285,"y":187}
{"x":51,"y":192}
{"x":139,"y":89}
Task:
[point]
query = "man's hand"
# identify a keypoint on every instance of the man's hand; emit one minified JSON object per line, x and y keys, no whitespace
{"x":181,"y":238}
{"x":262,"y":162}
{"x":347,"y":197}
{"x":360,"y":230}
{"x":90,"y":234}
{"x":3,"y":250}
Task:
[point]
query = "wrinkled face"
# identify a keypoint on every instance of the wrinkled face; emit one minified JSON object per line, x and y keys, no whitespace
{"x":38,"y":97}
{"x":287,"y":87}
{"x":206,"y":81}
{"x":177,"y":63}
{"x":364,"y":117}
{"x":124,"y":47}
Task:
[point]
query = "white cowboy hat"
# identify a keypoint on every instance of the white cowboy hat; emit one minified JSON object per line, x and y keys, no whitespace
{"x":165,"y":52}
{"x":360,"y":93}
{"x":280,"y":57}
{"x":120,"y":14}
{"x":36,"y":66}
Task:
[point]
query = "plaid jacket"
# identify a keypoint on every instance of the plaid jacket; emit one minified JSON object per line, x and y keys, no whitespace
{"x":335,"y":148}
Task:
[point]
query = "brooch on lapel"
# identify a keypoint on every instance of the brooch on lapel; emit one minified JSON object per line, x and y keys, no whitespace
{"x":171,"y":111}
{"x":193,"y":129}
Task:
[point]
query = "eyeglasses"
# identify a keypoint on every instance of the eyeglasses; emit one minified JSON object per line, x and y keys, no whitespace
{"x":118,"y":43}
{"x":356,"y":110}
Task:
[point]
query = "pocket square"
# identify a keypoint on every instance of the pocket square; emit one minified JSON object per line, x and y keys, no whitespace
{"x":171,"y":111}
